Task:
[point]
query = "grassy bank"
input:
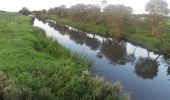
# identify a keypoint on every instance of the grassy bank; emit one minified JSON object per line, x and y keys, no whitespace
{"x":158,"y":44}
{"x":34,"y":67}
{"x":89,"y":27}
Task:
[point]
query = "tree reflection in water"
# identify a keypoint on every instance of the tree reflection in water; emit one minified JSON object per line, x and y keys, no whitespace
{"x":166,"y":60}
{"x":77,"y":36}
{"x":147,"y":68}
{"x":115,"y":51}
{"x":62,"y":29}
{"x":43,"y":21}
{"x":168,"y":70}
{"x":131,"y":57}
{"x":92,"y":42}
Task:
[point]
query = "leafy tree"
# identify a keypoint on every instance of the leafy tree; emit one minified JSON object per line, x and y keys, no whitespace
{"x":39,"y":13}
{"x":93,"y":13}
{"x":77,"y":12}
{"x":117,"y":18}
{"x":24,"y":11}
{"x":59,"y":11}
{"x":157,"y":10}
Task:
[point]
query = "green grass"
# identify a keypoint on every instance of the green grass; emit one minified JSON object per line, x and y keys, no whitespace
{"x":34,"y":67}
{"x":158,"y":44}
{"x":90,"y":27}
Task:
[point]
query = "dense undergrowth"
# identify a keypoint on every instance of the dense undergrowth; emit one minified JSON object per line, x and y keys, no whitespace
{"x":34,"y":67}
{"x":159,"y":43}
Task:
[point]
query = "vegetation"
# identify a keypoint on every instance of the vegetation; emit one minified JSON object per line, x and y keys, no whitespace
{"x":24,"y":11}
{"x":111,"y":21}
{"x":90,"y":27}
{"x":150,"y":30}
{"x":157,"y":10}
{"x":34,"y":67}
{"x":117,"y":18}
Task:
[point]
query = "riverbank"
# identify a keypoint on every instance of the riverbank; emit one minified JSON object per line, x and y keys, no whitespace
{"x":38,"y":68}
{"x":158,"y":44}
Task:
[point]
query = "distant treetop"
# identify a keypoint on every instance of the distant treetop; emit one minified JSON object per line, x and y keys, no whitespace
{"x":24,"y":11}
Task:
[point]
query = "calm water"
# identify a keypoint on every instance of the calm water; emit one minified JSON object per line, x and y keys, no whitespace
{"x":144,"y":75}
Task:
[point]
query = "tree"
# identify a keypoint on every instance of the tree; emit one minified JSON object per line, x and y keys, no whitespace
{"x":157,"y":10}
{"x":93,"y":13}
{"x":117,"y":18}
{"x":24,"y":11}
{"x":77,"y":12}
{"x":58,"y":11}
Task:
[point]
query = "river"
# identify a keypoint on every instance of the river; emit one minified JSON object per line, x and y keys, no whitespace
{"x":144,"y":75}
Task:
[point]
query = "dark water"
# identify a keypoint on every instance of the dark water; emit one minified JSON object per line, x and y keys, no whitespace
{"x":145,"y":75}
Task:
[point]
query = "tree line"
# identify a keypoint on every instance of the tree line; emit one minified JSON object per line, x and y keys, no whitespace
{"x":91,"y":13}
{"x":114,"y":17}
{"x":117,"y":18}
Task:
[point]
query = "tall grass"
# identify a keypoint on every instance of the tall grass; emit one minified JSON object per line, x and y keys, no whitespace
{"x":89,"y":27}
{"x":41,"y":69}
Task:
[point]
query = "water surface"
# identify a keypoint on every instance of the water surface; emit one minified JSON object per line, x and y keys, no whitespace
{"x":145,"y":75}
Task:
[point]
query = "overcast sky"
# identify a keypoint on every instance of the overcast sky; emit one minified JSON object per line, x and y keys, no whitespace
{"x":15,"y":5}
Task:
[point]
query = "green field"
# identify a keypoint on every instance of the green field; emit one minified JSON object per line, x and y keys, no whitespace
{"x":34,"y":67}
{"x":158,"y":44}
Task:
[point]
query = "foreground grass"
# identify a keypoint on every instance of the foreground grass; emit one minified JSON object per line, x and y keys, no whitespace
{"x":158,"y":44}
{"x":34,"y":67}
